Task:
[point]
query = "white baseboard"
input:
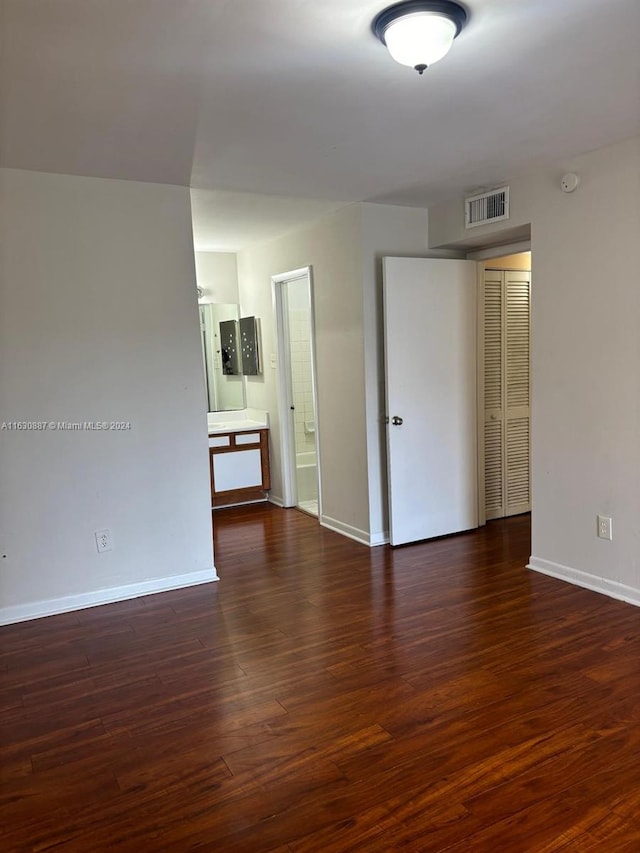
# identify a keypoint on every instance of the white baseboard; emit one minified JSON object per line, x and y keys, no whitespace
{"x":347,"y":530}
{"x":613,"y":589}
{"x":371,"y":540}
{"x":52,"y":606}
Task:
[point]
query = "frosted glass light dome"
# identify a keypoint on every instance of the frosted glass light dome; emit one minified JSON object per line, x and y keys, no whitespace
{"x":420,"y":39}
{"x":418,"y":33}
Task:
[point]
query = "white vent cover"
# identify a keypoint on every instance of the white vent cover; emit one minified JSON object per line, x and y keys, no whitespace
{"x":486,"y":207}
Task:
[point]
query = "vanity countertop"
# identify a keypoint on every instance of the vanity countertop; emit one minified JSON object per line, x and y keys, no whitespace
{"x":244,"y":420}
{"x":245,"y":425}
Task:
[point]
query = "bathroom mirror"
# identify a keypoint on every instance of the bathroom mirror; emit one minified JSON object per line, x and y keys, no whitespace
{"x":221,"y":356}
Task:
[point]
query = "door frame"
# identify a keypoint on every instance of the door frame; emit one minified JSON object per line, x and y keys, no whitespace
{"x":482,"y":255}
{"x":284,"y":383}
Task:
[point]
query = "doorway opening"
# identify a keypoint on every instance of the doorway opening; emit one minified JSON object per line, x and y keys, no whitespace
{"x":458,"y":390}
{"x":297,"y":396}
{"x":504,"y":385}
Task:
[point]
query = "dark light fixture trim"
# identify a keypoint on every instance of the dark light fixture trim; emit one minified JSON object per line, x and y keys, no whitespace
{"x":444,"y":8}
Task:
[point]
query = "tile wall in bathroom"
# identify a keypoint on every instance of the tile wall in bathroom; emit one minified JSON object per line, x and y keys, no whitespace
{"x":300,"y":337}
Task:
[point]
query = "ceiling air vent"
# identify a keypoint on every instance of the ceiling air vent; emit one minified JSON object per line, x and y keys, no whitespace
{"x":486,"y":207}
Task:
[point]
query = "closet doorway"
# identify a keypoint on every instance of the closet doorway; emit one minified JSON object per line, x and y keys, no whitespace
{"x":504,"y":415}
{"x":297,"y":390}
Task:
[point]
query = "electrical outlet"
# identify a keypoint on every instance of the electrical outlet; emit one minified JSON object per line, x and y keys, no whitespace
{"x":605,"y":530}
{"x":103,"y":540}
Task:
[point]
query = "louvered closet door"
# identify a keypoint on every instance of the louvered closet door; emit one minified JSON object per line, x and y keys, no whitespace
{"x":493,"y":394}
{"x":506,"y":392}
{"x":517,"y":286}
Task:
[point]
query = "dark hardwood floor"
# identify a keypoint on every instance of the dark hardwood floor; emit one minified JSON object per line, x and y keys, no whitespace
{"x":327,"y":697}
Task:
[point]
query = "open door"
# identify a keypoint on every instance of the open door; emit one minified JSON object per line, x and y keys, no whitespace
{"x":430,"y":361}
{"x":297,"y":401}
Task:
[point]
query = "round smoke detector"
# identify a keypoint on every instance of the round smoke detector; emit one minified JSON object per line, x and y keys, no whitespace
{"x":569,"y":182}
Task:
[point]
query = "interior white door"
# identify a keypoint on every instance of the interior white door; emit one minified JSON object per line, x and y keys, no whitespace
{"x":430,"y":360}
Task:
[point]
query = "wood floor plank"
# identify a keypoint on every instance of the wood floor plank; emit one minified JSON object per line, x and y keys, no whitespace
{"x":373,"y":831}
{"x":329,"y":697}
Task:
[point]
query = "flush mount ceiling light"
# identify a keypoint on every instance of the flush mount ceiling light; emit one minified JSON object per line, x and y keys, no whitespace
{"x":418,"y":33}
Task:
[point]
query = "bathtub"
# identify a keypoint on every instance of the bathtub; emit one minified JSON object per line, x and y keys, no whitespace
{"x":306,"y":476}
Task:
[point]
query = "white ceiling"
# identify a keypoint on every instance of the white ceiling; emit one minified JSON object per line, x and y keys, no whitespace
{"x":226,"y":221}
{"x":253,"y":98}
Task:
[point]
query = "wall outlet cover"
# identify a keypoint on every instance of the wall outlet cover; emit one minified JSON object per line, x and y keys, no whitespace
{"x":605,"y":527}
{"x":103,"y":540}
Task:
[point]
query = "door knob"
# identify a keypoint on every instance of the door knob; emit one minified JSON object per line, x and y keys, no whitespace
{"x":396,"y":421}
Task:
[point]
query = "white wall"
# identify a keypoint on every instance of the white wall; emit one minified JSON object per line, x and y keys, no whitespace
{"x":446,"y":220}
{"x":346,"y":251}
{"x":332,"y":247}
{"x":98,"y":322}
{"x":217,"y":275}
{"x":386,"y":230}
{"x":585,"y":365}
